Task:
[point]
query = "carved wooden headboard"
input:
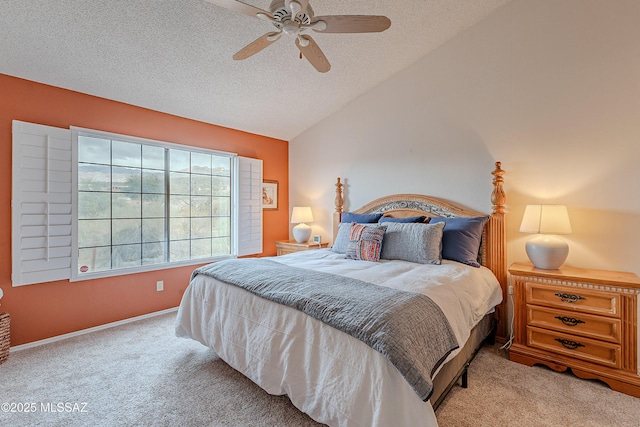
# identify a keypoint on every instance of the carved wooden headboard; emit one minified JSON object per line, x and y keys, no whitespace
{"x":493,"y":247}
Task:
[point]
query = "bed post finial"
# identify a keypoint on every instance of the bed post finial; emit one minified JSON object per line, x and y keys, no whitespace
{"x":339,"y":202}
{"x":498,"y":197}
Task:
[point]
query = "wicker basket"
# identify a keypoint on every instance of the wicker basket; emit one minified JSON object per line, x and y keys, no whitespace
{"x":5,"y":340}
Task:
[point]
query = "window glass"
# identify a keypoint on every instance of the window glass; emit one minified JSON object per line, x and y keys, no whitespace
{"x":180,"y":183}
{"x":94,"y":233}
{"x":93,"y":205}
{"x":94,"y":259}
{"x":179,"y":160}
{"x":126,"y":154}
{"x":153,"y":157}
{"x":201,"y":163}
{"x":143,"y":204}
{"x":153,"y":206}
{"x":153,"y":181}
{"x":92,"y":177}
{"x":94,"y":150}
{"x":125,"y":205}
{"x":221,"y":166}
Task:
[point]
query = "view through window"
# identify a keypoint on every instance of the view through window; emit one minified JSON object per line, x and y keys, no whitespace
{"x":144,"y":204}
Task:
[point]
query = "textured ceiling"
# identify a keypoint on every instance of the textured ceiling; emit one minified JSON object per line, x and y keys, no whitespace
{"x":174,"y":56}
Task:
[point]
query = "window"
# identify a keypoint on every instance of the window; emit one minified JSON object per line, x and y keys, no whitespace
{"x":122,"y":204}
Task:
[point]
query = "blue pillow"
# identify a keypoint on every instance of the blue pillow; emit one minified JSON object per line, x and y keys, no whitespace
{"x":407,"y":219}
{"x":360,"y":218}
{"x":461,"y":238}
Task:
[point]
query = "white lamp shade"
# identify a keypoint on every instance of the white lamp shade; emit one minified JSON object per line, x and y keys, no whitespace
{"x":301,"y":214}
{"x":545,"y":250}
{"x":545,"y":219}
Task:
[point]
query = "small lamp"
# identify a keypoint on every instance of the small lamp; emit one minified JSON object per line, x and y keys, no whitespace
{"x":546,"y":250}
{"x":301,"y":215}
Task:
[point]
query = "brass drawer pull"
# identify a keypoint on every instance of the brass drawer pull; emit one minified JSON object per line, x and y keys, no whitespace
{"x":569,"y":297}
{"x":571,"y":345}
{"x":569,"y":321}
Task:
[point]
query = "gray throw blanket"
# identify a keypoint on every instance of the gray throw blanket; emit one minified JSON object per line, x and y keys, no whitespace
{"x":408,"y":328}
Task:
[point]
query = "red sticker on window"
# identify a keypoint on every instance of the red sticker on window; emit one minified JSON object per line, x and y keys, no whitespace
{"x":84,"y":269}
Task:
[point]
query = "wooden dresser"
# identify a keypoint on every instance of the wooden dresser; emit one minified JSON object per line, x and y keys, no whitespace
{"x":284,"y":247}
{"x":585,"y":320}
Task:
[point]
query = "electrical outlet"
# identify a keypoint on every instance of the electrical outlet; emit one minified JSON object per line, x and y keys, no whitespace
{"x":510,"y":290}
{"x":159,"y":285}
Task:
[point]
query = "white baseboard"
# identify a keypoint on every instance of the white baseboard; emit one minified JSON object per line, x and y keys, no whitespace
{"x":89,"y":330}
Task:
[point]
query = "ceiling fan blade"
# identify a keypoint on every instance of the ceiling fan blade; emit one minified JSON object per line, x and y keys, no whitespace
{"x":352,"y":23}
{"x":257,"y":45}
{"x":313,"y":53}
{"x":240,"y":7}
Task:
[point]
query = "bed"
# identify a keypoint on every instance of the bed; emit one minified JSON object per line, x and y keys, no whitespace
{"x":291,"y":339}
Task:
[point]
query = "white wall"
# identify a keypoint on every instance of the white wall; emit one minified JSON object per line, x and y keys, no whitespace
{"x":549,"y":87}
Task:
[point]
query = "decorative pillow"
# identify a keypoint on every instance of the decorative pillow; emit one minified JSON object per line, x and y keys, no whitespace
{"x":461,"y":238}
{"x":360,"y":218}
{"x":365,"y":242}
{"x":413,"y":242}
{"x":342,"y":238}
{"x":406,"y":219}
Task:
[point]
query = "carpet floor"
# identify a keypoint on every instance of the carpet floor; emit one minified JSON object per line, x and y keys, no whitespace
{"x":140,"y":374}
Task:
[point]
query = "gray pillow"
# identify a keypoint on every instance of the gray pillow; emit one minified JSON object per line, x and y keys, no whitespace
{"x":413,"y":242}
{"x":342,"y":238}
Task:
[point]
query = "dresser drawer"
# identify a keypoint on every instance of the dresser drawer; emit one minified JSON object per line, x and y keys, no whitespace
{"x":571,"y":322}
{"x":599,"y":352}
{"x":568,"y":298}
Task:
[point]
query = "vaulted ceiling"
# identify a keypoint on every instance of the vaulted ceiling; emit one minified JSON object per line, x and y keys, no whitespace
{"x":175,"y":56}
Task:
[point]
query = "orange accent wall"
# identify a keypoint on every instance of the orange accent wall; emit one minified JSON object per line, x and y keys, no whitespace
{"x":44,"y":310}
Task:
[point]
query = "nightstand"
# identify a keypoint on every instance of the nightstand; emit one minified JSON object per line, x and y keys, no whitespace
{"x":582,"y":319}
{"x":289,"y":246}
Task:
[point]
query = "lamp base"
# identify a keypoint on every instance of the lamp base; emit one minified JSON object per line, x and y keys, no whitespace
{"x":547,"y":252}
{"x":301,"y":233}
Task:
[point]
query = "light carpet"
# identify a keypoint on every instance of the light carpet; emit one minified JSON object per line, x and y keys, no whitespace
{"x":140,"y":374}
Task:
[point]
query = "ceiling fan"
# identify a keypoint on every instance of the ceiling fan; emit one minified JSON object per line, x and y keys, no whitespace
{"x":296,"y":18}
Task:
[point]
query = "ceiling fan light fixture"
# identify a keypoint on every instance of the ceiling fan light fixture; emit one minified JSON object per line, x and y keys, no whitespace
{"x":295,"y":7}
{"x":283,"y":13}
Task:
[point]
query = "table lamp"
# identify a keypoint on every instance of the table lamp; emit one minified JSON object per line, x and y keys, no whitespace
{"x":546,"y":250}
{"x":301,"y":215}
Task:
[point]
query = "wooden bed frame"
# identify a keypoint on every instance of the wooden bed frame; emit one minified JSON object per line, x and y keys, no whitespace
{"x":492,"y":256}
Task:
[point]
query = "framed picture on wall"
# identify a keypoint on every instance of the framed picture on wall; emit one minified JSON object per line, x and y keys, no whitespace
{"x":269,"y":194}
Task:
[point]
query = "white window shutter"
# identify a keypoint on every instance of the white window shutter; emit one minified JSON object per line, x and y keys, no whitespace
{"x":249,"y":225}
{"x":40,"y":204}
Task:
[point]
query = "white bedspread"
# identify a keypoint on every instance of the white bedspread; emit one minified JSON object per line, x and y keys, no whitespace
{"x":333,"y":377}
